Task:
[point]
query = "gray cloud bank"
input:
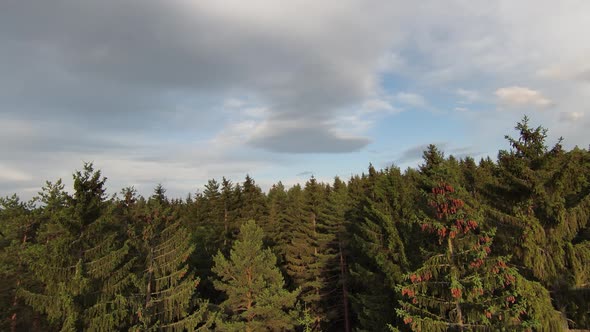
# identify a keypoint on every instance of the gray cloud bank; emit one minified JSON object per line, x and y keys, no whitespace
{"x":123,"y":63}
{"x":134,"y":84}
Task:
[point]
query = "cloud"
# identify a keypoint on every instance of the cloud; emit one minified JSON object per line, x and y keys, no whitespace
{"x":516,"y":96}
{"x":410,"y":99}
{"x":206,"y":87}
{"x":255,"y":112}
{"x":465,"y":151}
{"x":391,"y":62}
{"x":571,"y":116}
{"x":378,"y":105}
{"x":289,"y":137}
{"x":233,"y":103}
{"x":578,"y":71}
{"x":415,"y":153}
{"x":584,"y":75}
{"x":113,"y":61}
{"x":467,"y":96}
{"x":9,"y":174}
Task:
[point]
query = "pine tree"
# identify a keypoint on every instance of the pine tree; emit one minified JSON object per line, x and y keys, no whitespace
{"x":166,"y":299}
{"x":256,"y":299}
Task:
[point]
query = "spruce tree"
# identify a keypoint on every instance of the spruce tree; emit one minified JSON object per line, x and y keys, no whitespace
{"x":18,"y":229}
{"x":273,"y":226}
{"x":288,"y":220}
{"x":540,"y":200}
{"x":460,"y":287}
{"x":256,"y":298}
{"x":307,"y":252}
{"x":334,"y":224}
{"x":80,"y":259}
{"x":253,"y":201}
{"x":166,"y":300}
{"x":230,"y":211}
{"x":380,"y":252}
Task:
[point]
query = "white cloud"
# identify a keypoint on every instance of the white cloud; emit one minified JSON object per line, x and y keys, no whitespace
{"x":256,"y":112}
{"x":571,"y":116}
{"x":11,"y":174}
{"x":411,"y":99}
{"x":317,"y":71}
{"x":304,"y":137}
{"x":576,"y":71}
{"x":468,"y":96}
{"x":516,"y":96}
{"x":391,"y":62}
{"x":233,"y":103}
{"x":378,"y":105}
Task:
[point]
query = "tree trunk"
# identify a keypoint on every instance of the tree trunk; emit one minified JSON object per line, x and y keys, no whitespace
{"x":148,"y":295}
{"x":457,"y":305}
{"x":225,"y":225}
{"x":344,"y":289}
{"x":13,"y":318}
{"x":313,"y":223}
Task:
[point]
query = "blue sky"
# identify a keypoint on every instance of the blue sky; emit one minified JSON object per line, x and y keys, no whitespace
{"x":178,"y":92}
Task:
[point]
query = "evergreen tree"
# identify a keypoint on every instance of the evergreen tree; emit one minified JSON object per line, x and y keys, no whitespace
{"x":86,"y":261}
{"x":206,"y":222}
{"x":334,"y":224}
{"x":79,"y":259}
{"x":540,"y":200}
{"x":273,"y":227}
{"x":433,"y":159}
{"x":461,"y":287}
{"x":256,"y":299}
{"x":253,"y":201}
{"x":307,"y":253}
{"x":230,"y":211}
{"x":210,"y":233}
{"x":381,"y":260}
{"x":291,"y":216}
{"x":166,"y":299}
{"x":18,"y":228}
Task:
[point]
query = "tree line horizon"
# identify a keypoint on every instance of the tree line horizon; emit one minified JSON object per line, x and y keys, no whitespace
{"x":451,"y":245}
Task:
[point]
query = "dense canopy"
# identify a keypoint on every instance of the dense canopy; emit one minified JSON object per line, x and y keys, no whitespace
{"x":454,"y":245}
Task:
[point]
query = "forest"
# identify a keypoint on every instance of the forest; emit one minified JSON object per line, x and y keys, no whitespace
{"x":456,"y":244}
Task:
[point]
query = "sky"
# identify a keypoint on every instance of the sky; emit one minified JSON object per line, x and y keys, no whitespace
{"x":181,"y":91}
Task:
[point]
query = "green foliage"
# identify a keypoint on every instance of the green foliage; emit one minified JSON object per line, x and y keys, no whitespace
{"x":18,"y":227}
{"x":506,"y":238}
{"x":381,"y":260}
{"x":459,"y":286}
{"x":256,"y":299}
{"x":310,"y":249}
{"x":80,"y":260}
{"x":166,"y":299}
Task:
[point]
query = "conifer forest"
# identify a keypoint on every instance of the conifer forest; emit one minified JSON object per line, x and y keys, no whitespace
{"x":456,"y":244}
